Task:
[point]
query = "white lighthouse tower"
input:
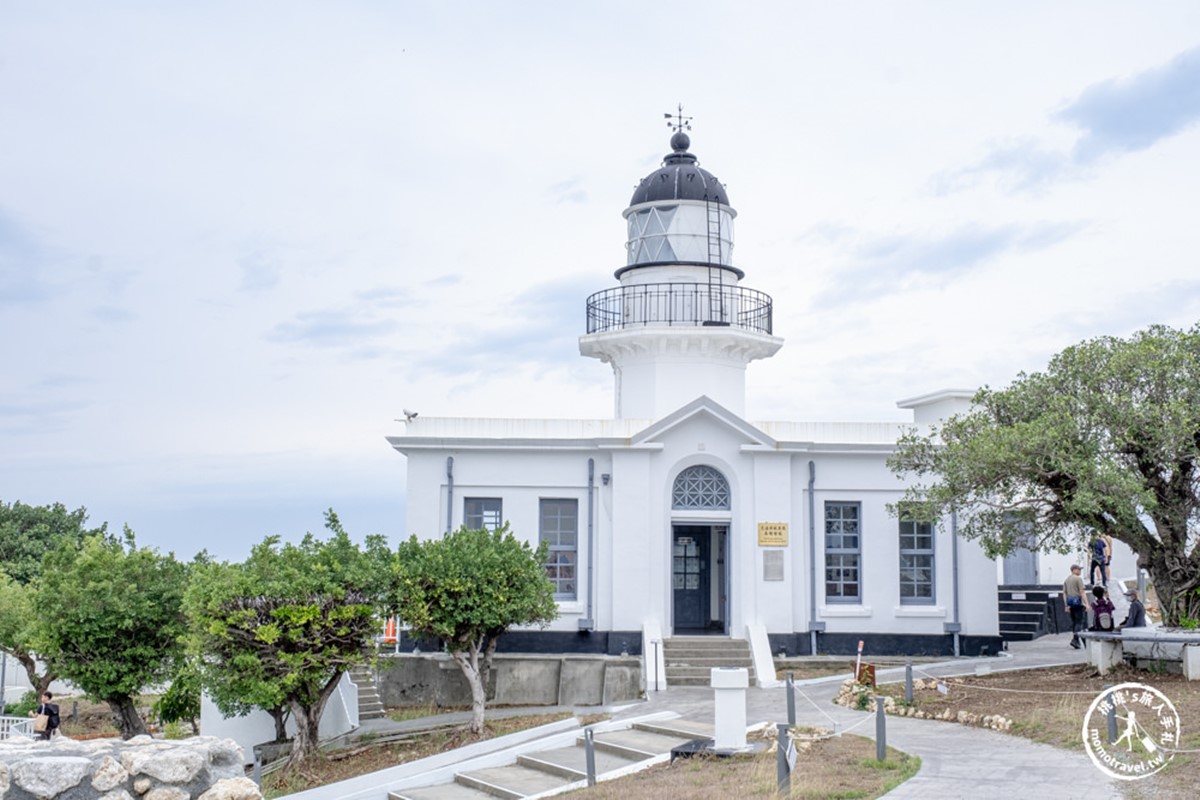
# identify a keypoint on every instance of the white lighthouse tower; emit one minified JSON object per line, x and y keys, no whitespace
{"x":680,"y":325}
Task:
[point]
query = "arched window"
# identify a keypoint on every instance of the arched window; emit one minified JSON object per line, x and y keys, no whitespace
{"x":700,"y":487}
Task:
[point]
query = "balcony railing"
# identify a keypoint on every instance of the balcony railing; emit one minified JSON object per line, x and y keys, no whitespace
{"x":679,"y":304}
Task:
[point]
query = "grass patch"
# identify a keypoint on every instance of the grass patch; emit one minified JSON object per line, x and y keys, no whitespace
{"x":842,"y":767}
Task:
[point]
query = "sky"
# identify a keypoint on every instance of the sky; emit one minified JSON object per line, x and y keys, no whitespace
{"x":238,"y":239}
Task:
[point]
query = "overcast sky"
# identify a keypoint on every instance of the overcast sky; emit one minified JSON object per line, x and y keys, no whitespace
{"x":237,"y":238}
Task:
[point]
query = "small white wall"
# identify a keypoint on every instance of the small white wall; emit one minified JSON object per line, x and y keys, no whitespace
{"x":340,"y":717}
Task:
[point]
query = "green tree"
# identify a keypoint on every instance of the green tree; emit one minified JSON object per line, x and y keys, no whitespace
{"x":1106,"y":439}
{"x":109,"y":620}
{"x":18,"y":628}
{"x":469,"y":587}
{"x":280,"y":629}
{"x":27,"y":533}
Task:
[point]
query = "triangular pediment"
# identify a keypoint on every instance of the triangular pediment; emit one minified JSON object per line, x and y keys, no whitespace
{"x":706,"y":408}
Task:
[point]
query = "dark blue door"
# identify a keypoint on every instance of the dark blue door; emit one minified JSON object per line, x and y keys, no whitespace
{"x":690,"y":575}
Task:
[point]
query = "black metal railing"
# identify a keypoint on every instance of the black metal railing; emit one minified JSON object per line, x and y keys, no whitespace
{"x":679,"y":304}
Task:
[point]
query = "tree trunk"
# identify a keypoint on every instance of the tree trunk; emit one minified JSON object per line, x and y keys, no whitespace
{"x":280,"y":717}
{"x":307,"y":743}
{"x":468,"y":662}
{"x":40,"y":683}
{"x":1175,"y":585}
{"x":126,"y":717}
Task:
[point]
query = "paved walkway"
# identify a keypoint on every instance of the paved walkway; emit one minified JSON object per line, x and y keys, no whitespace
{"x":956,"y":760}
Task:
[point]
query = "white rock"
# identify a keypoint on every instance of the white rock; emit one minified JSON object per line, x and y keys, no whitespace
{"x":120,"y":794}
{"x":142,"y":785}
{"x":3,"y":779}
{"x":173,"y":765}
{"x":49,"y":776}
{"x":233,"y":789}
{"x":167,"y":793}
{"x":109,"y":775}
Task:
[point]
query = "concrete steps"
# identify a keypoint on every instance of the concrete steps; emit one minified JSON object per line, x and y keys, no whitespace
{"x":1029,"y":612}
{"x":550,"y":769}
{"x":369,"y":704}
{"x":690,"y":659}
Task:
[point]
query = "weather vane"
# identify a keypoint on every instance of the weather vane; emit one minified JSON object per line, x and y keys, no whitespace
{"x":678,"y":121}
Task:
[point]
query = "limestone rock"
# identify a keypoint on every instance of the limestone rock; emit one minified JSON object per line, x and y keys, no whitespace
{"x":109,"y":775}
{"x":233,"y":789}
{"x":142,"y":785}
{"x":120,"y":794}
{"x":49,"y":776}
{"x":3,"y":779}
{"x":169,"y":765}
{"x":167,"y":793}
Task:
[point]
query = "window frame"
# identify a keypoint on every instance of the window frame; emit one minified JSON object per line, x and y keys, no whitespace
{"x":842,"y":553}
{"x":918,"y":530}
{"x":557,"y":550}
{"x":482,"y":516}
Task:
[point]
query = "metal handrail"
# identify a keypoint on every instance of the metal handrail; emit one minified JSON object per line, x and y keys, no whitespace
{"x":679,"y":304}
{"x":16,"y":726}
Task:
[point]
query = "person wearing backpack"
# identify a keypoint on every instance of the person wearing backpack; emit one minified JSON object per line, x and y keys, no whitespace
{"x":45,"y":716}
{"x":1102,"y":610}
{"x":1099,"y":556}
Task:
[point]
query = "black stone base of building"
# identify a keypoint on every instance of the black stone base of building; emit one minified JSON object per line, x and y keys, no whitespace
{"x":602,"y":643}
{"x":884,"y":644}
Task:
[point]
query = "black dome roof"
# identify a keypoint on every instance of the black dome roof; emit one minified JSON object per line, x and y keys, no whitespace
{"x":680,"y":178}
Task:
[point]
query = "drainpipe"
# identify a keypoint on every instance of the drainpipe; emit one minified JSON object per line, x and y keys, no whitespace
{"x":449,"y":491}
{"x":813,"y":625}
{"x":954,"y":558}
{"x":587,"y":624}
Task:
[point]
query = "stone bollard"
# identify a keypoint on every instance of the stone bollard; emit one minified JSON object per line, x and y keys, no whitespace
{"x":729,"y":687}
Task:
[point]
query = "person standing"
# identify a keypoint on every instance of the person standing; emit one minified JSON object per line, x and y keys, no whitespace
{"x":1096,"y":548}
{"x":1108,"y":554}
{"x":51,"y":712}
{"x":1075,"y":601}
{"x":1136,"y":618}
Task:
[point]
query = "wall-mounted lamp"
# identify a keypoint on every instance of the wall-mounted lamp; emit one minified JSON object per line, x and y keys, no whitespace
{"x":605,"y":478}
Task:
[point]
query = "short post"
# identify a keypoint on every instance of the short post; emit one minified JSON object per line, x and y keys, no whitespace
{"x":880,"y":730}
{"x":589,"y":749}
{"x":257,"y":767}
{"x":729,"y":686}
{"x":74,"y":711}
{"x":791,"y":698}
{"x":783,"y":773}
{"x":908,"y":682}
{"x":655,"y":643}
{"x":1141,"y":584}
{"x":1112,"y":716}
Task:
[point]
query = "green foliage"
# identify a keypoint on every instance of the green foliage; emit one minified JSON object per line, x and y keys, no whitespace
{"x":181,"y":700}
{"x":1106,"y":439}
{"x":28,"y":702}
{"x":28,"y":533}
{"x":108,"y":616}
{"x":280,"y":628}
{"x":16,"y":615}
{"x":473,"y":584}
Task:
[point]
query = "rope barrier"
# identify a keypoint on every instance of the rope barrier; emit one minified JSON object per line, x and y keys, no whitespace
{"x":950,"y":682}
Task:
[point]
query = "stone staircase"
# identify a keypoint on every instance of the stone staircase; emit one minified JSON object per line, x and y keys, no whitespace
{"x":689,"y":659}
{"x":369,"y":704}
{"x":1030,"y":612}
{"x":547,"y":770}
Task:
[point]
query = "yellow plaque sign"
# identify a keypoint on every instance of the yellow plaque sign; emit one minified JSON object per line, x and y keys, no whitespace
{"x":772,"y":534}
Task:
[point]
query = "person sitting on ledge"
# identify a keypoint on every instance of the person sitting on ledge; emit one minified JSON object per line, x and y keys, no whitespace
{"x":1137,"y":612}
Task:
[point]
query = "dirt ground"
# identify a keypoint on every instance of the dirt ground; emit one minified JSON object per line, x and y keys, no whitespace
{"x":1036,"y":702}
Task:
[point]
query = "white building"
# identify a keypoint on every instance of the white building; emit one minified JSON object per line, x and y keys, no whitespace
{"x":678,"y":516}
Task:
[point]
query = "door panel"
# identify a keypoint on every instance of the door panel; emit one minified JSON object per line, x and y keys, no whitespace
{"x":690,"y":577}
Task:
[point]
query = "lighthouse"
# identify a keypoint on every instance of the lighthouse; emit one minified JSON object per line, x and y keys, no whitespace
{"x":680,"y":324}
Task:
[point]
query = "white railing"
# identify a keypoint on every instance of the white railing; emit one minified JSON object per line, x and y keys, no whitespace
{"x":16,"y":726}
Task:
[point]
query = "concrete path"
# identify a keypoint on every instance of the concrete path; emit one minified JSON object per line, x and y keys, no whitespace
{"x":956,"y":760}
